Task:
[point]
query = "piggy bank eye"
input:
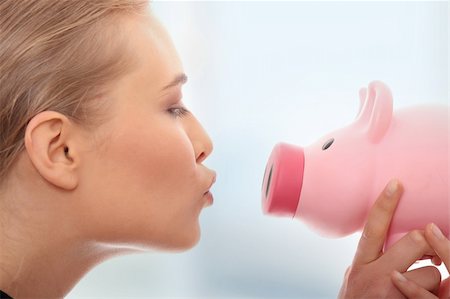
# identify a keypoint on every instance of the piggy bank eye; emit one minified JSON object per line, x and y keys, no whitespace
{"x":328,"y":144}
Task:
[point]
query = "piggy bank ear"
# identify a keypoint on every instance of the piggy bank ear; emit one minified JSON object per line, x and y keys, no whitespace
{"x":362,"y":100}
{"x":376,"y":110}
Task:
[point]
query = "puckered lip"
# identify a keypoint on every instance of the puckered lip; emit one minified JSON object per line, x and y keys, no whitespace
{"x":213,"y":180}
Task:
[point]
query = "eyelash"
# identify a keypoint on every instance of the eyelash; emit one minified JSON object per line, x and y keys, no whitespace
{"x":178,"y":111}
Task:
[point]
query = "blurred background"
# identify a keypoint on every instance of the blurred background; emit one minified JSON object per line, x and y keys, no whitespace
{"x":260,"y":73}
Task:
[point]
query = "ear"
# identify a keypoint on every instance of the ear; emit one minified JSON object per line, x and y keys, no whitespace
{"x":362,"y":100}
{"x":366,"y":100}
{"x":376,"y":113}
{"x":51,"y":146}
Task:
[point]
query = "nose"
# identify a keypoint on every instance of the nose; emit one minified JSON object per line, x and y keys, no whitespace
{"x":201,"y":142}
{"x":283,"y":180}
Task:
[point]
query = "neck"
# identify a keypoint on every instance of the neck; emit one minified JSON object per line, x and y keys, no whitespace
{"x":43,"y":255}
{"x":44,"y":251}
{"x":30,"y":269}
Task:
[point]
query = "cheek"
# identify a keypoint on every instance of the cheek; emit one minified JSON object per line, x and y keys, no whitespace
{"x":157,"y":158}
{"x":149,"y":188}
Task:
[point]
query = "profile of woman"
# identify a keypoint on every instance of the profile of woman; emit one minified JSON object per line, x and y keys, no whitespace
{"x":100,"y":157}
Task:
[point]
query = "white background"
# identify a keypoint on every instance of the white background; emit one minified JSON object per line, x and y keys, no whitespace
{"x":260,"y":73}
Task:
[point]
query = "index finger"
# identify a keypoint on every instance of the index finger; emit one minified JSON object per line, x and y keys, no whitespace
{"x":371,"y":243}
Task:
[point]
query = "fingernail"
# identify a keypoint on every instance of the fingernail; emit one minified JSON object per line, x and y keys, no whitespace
{"x":437,"y":232}
{"x":399,"y":277}
{"x":391,"y":188}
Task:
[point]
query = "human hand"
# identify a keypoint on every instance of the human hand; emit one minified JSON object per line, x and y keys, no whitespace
{"x":441,"y":245}
{"x":369,"y":276}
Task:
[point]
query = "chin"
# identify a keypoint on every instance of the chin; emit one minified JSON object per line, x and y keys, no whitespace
{"x":187,"y":241}
{"x":180,"y":240}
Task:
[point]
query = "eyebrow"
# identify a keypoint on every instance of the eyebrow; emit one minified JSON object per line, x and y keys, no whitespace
{"x":178,"y":80}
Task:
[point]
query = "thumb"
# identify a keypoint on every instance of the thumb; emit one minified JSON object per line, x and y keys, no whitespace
{"x":439,"y":243}
{"x":444,"y":291}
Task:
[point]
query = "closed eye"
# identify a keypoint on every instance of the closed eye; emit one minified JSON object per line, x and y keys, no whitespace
{"x":178,"y":111}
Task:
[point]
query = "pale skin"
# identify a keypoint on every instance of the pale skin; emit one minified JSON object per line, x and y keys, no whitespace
{"x":137,"y":181}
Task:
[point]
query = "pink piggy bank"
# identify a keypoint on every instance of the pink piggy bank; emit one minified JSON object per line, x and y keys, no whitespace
{"x":332,"y":184}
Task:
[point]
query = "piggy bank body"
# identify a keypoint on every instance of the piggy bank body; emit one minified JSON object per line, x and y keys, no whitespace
{"x":332,"y":184}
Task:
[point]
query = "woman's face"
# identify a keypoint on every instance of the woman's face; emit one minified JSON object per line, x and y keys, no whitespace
{"x":143,"y":182}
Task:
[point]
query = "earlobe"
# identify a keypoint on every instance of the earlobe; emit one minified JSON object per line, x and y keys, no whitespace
{"x":51,"y":147}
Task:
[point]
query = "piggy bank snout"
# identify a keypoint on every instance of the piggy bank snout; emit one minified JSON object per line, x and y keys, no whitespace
{"x":283,"y":180}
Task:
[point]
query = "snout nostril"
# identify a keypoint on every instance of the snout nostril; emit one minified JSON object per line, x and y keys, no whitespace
{"x":269,"y":181}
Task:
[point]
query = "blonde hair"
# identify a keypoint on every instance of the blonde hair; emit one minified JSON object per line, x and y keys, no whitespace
{"x":56,"y":55}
